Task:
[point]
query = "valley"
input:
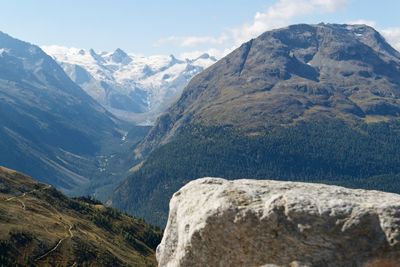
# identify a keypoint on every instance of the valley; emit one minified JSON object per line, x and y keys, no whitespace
{"x":53,"y":130}
{"x":293,"y":104}
{"x":124,"y":148}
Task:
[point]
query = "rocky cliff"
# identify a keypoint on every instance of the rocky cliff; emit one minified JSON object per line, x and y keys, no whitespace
{"x":215,"y":222}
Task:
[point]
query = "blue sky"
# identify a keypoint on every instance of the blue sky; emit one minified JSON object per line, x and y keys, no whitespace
{"x":178,"y":26}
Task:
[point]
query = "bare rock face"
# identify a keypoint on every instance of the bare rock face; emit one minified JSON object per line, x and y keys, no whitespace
{"x":215,"y":222}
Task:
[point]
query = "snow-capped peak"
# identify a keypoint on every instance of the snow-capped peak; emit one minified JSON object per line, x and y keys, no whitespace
{"x":119,"y":56}
{"x":174,"y":60}
{"x":96,"y":56}
{"x":204,"y":56}
{"x":129,"y":85}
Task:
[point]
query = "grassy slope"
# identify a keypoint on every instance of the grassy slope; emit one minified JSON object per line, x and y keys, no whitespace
{"x":88,"y":233}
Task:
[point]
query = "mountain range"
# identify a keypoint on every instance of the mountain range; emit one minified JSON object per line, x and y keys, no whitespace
{"x":307,"y":102}
{"x":50,"y":127}
{"x":132,"y":87}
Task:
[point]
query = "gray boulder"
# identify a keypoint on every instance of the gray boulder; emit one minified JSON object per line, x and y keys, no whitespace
{"x":215,"y":222}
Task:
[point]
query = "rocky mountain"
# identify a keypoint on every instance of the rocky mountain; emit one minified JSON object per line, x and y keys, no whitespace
{"x":132,"y":87}
{"x":291,"y":75}
{"x":215,"y":222}
{"x":304,"y":103}
{"x":39,"y":226}
{"x":50,"y":128}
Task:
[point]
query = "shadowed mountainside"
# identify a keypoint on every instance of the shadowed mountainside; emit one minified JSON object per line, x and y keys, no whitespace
{"x":50,"y":128}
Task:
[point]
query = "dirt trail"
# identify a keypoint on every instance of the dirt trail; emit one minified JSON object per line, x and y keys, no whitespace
{"x":22,"y":203}
{"x":68,"y":226}
{"x":24,"y":194}
{"x":70,"y":235}
{"x":30,"y":192}
{"x":51,"y":250}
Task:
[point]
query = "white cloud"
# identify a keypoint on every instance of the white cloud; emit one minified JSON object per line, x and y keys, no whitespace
{"x":392,"y":35}
{"x":282,"y":14}
{"x":193,"y":41}
{"x":279,"y":14}
{"x":363,"y":21}
{"x":217,"y":53}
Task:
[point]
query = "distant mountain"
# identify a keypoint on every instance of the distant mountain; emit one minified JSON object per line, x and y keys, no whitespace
{"x":50,"y":127}
{"x":132,"y":87}
{"x":306,"y":102}
{"x":39,"y":226}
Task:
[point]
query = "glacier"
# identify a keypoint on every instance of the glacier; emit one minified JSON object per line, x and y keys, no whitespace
{"x":133,"y":87}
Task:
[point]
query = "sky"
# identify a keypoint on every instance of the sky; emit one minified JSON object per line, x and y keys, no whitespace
{"x":185,"y":28}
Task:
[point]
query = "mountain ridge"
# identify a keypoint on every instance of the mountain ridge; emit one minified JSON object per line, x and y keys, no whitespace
{"x":301,"y":103}
{"x":297,"y":64}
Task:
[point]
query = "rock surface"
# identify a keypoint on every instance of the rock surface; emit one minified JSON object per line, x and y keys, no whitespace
{"x":215,"y":222}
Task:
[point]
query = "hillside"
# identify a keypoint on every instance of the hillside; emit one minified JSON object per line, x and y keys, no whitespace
{"x":51,"y":128}
{"x":132,"y":87}
{"x":299,"y":73}
{"x":300,"y":103}
{"x":39,"y":226}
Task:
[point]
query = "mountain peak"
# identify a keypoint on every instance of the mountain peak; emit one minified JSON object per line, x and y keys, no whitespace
{"x":295,"y":70}
{"x":174,"y":60}
{"x":119,"y":56}
{"x":120,"y":52}
{"x":204,"y":56}
{"x":96,"y":56}
{"x":92,"y":52}
{"x":279,"y":106}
